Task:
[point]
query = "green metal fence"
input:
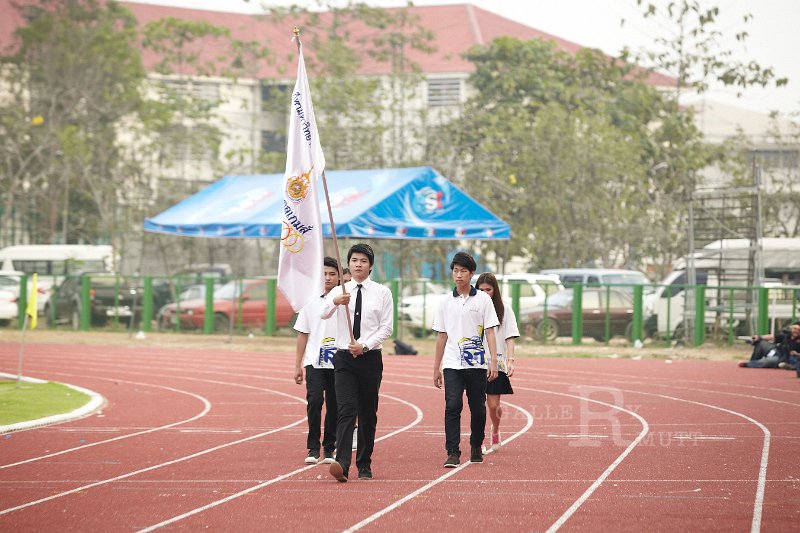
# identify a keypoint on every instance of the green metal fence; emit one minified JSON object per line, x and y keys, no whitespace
{"x":663,"y":314}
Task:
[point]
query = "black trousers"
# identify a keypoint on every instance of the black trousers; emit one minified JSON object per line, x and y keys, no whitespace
{"x":358,"y":380}
{"x":320,"y":389}
{"x":473,"y":381}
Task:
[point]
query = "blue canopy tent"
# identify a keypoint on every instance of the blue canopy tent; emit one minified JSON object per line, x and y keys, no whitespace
{"x":400,"y":203}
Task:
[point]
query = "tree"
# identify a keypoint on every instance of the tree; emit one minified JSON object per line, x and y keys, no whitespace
{"x":77,"y":68}
{"x":691,"y":52}
{"x":562,"y":146}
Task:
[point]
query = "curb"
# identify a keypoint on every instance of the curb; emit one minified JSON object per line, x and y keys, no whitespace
{"x":95,"y":402}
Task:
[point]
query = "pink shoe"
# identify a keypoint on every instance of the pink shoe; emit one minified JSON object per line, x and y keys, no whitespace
{"x":495,"y":441}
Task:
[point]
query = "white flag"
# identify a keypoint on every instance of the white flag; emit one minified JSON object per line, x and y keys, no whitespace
{"x":300,"y":264}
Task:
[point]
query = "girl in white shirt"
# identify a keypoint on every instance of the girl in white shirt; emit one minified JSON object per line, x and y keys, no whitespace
{"x":506,"y":333}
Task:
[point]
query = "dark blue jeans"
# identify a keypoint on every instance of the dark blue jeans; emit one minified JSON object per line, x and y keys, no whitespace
{"x":473,"y":381}
{"x":320,"y":389}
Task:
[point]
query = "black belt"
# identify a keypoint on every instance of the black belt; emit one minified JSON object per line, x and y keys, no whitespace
{"x":377,"y":350}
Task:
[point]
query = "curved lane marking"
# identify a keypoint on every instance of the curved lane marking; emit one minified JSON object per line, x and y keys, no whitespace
{"x":167,"y":463}
{"x":368,"y":520}
{"x":272,"y":481}
{"x":206,"y":409}
{"x":762,"y":471}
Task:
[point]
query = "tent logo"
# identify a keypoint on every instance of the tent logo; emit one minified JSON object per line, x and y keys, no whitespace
{"x":297,"y":186}
{"x":291,"y":239}
{"x":427,"y":200}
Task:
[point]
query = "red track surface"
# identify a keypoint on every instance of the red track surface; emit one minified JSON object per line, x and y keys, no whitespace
{"x":196,"y":439}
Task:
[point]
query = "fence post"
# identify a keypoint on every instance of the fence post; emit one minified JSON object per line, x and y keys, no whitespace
{"x":515,"y":293}
{"x":86,"y":311}
{"x":147,"y":305}
{"x":22,"y":301}
{"x":762,"y":325}
{"x":272,"y":297}
{"x":638,"y":312}
{"x":394,"y":286}
{"x":577,"y":314}
{"x":699,"y":315}
{"x":208,"y":313}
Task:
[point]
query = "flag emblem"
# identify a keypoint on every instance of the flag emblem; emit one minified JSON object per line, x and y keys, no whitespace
{"x":297,"y":186}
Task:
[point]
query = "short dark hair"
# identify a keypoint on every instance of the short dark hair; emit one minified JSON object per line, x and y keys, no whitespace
{"x":463,"y":259}
{"x":331,"y":262}
{"x":362,"y":248}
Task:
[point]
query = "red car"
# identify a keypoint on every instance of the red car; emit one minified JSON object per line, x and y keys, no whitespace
{"x":559,"y":315}
{"x":242,"y":301}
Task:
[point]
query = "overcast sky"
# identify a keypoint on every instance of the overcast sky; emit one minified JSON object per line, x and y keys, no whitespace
{"x":774,"y":33}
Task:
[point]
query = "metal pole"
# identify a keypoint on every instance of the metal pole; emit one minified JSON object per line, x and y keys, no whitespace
{"x":691,"y":275}
{"x":296,"y":32}
{"x":22,"y":349}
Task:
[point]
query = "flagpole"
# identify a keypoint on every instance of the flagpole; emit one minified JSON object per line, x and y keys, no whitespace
{"x":296,"y":32}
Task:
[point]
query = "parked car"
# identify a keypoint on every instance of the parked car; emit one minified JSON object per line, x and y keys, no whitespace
{"x":246,"y":301}
{"x":8,"y":307}
{"x":418,"y":311}
{"x":559,"y":315}
{"x":9,"y":281}
{"x":110,"y":296}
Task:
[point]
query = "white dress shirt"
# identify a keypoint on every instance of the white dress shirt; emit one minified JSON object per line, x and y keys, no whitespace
{"x":376,"y":314}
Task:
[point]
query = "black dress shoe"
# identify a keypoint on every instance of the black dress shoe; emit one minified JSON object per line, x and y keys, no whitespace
{"x":337,"y":471}
{"x":364,"y":473}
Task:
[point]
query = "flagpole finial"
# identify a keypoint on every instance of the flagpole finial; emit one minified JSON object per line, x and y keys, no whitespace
{"x":296,"y":31}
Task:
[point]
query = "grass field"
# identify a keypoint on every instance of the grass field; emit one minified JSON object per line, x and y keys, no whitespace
{"x":30,"y":401}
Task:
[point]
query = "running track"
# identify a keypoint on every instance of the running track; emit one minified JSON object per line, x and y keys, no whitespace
{"x":198,"y":439}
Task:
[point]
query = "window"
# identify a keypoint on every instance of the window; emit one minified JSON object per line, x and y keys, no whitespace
{"x":772,"y":159}
{"x":443,"y":92}
{"x":591,"y":300}
{"x":272,"y":141}
{"x":275,"y":96}
{"x":257,"y":292}
{"x":201,"y":90}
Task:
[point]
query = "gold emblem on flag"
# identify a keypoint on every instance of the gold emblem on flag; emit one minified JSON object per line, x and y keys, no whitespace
{"x":291,"y":239}
{"x":297,"y":186}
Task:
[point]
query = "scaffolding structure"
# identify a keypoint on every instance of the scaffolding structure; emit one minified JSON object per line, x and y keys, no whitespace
{"x":718,"y":217}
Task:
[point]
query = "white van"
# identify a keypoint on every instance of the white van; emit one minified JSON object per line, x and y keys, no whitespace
{"x":52,"y":262}
{"x":724,"y":260}
{"x":623,"y":278}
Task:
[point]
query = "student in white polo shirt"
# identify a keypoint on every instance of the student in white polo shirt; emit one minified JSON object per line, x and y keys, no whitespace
{"x":316,"y":344}
{"x":462,"y":320}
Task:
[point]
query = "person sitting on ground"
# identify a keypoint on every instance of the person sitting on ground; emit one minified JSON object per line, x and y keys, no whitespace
{"x":776,"y":351}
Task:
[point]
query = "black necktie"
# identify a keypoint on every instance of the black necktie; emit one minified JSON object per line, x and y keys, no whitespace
{"x":357,"y":315}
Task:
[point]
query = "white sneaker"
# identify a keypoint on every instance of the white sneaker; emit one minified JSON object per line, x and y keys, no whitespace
{"x":312,"y":457}
{"x":328,"y":458}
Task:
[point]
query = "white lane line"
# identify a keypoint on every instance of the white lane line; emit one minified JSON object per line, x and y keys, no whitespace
{"x":272,"y":481}
{"x":599,"y":481}
{"x":758,"y":505}
{"x":206,"y":409}
{"x":161,"y":465}
{"x":762,"y":471}
{"x":440,"y":479}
